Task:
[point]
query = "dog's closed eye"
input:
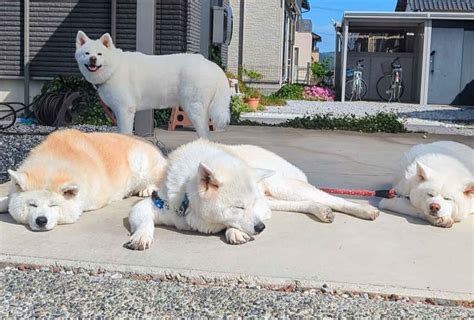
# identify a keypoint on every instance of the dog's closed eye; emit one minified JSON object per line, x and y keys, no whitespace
{"x":53,"y":205}
{"x":239,"y":207}
{"x":33,"y":204}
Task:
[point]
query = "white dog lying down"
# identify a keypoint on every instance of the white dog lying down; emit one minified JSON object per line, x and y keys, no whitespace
{"x":211,"y":187}
{"x":436,"y":183}
{"x":71,"y":172}
{"x":132,"y":81}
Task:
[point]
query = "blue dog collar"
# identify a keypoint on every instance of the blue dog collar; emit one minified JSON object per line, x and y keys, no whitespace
{"x":162,"y":203}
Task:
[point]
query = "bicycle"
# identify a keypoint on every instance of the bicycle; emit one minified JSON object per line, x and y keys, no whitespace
{"x":390,"y":85}
{"x":356,"y":88}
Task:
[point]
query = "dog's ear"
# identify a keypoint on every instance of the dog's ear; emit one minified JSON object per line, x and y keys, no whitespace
{"x":469,"y":189}
{"x":106,"y":40}
{"x":19,"y":178}
{"x":69,"y":191}
{"x":207,"y":177}
{"x":81,"y":38}
{"x":423,"y":172}
{"x":263,"y":173}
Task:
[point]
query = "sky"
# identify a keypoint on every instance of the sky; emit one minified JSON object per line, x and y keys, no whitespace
{"x":322,"y":11}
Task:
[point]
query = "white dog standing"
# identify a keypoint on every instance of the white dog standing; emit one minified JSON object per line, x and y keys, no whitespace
{"x":436,"y":183}
{"x":210,"y":187}
{"x":132,"y":81}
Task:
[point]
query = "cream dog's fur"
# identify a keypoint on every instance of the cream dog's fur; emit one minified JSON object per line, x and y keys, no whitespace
{"x":436,"y":183}
{"x":132,"y":81}
{"x":71,"y":172}
{"x":232,"y":188}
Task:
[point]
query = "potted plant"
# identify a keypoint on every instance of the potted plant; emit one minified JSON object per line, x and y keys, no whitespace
{"x":252,"y":97}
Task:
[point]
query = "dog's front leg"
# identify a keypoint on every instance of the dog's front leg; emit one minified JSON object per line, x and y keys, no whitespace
{"x":125,"y":118}
{"x":142,"y":224}
{"x":235,"y":236}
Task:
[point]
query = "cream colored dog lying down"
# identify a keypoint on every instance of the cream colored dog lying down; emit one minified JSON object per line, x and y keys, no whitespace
{"x":436,"y":183}
{"x":211,"y":187}
{"x":71,"y":172}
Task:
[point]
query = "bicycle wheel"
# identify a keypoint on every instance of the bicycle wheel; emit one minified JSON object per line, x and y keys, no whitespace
{"x":349,"y":89}
{"x":355,"y":93}
{"x":398,"y":91}
{"x":384,"y":87}
{"x":7,"y":116}
{"x":363,"y":89}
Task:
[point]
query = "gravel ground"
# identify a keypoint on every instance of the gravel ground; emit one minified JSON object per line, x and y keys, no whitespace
{"x":17,"y":141}
{"x":47,"y":293}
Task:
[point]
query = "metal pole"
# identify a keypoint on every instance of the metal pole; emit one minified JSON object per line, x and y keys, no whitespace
{"x":113,"y":19}
{"x":344,"y":60}
{"x":26,"y":52}
{"x":425,"y":68}
{"x":144,"y":122}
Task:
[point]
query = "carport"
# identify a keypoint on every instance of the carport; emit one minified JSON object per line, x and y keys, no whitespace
{"x":436,"y":52}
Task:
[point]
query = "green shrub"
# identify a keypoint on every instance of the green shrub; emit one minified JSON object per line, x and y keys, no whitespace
{"x":381,"y":122}
{"x":88,"y":110}
{"x":237,"y":106}
{"x":290,"y":92}
{"x":272,"y":101}
{"x":162,"y":117}
{"x":252,"y":74}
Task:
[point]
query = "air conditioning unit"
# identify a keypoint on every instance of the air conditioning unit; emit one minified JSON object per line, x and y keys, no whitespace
{"x":222,"y":24}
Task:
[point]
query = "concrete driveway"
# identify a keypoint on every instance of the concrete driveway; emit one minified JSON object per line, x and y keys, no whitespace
{"x":393,"y":254}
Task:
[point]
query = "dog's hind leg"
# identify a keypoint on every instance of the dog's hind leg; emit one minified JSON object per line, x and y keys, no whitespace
{"x":142,"y":224}
{"x":321,"y":212}
{"x":296,"y":190}
{"x":199,"y":117}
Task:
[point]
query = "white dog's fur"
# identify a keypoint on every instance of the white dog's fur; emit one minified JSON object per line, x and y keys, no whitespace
{"x":435,"y":182}
{"x":71,"y":172}
{"x":132,"y":81}
{"x":232,"y":188}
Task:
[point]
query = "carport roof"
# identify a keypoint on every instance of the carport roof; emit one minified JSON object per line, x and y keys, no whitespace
{"x":405,"y":16}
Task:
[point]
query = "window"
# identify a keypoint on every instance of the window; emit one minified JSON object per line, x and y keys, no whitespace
{"x":381,"y":41}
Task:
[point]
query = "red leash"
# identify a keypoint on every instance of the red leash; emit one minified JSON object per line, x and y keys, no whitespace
{"x":362,"y":193}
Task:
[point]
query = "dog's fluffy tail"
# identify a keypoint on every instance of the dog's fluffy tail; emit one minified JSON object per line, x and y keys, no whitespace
{"x":219,"y":111}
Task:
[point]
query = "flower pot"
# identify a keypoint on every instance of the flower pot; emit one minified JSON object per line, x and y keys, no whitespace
{"x":253,"y":103}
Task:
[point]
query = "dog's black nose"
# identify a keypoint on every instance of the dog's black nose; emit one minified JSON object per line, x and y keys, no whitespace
{"x":41,"y":221}
{"x":259,"y":227}
{"x":93,"y":60}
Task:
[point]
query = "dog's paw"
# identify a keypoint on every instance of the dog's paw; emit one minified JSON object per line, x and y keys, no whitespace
{"x":147,"y":191}
{"x":140,"y":240}
{"x":235,"y":236}
{"x":325,"y":214}
{"x":371,"y":212}
{"x":443,"y":222}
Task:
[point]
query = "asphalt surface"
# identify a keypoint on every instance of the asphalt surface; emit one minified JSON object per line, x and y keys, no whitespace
{"x":50,"y":292}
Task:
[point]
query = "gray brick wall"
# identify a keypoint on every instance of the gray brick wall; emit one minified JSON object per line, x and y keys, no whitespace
{"x":262,"y":38}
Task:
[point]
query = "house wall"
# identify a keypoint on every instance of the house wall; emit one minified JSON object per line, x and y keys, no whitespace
{"x":304,"y":41}
{"x":262,"y":38}
{"x":303,"y":44}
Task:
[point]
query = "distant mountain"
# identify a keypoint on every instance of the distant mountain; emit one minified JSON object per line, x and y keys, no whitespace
{"x":329,"y":56}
